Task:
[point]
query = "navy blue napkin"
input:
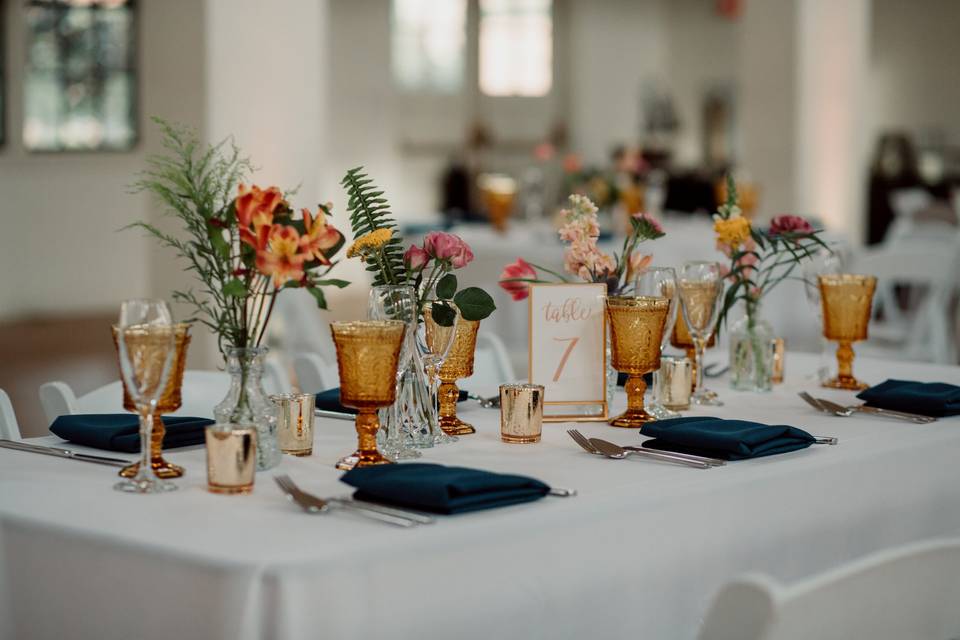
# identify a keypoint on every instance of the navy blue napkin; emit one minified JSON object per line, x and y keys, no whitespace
{"x":121,"y":431}
{"x":935,"y":399}
{"x":329,"y":400}
{"x":440,"y":489}
{"x":726,"y":439}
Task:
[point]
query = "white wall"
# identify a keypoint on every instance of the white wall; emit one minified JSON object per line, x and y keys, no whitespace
{"x":58,"y":247}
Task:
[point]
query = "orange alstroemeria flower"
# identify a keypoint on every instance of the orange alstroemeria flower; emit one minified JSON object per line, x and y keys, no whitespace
{"x":255,"y":207}
{"x":318,"y":236}
{"x":281,"y":257}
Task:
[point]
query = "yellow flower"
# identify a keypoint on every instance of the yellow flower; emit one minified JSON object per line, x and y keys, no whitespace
{"x":732,"y":232}
{"x":372,"y":240}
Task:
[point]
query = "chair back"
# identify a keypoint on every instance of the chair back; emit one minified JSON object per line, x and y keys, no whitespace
{"x":314,"y":373}
{"x":57,"y":399}
{"x":931,"y":273}
{"x":275,"y":376}
{"x":909,"y":592}
{"x":491,"y":364}
{"x":9,"y":429}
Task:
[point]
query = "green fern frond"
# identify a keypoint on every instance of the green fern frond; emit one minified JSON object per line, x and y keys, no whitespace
{"x":370,"y":211}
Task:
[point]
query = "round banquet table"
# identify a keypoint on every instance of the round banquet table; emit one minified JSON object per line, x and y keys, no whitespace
{"x":638,"y":553}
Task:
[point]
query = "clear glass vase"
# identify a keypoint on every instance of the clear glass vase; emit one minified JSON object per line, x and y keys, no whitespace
{"x":751,"y":355}
{"x":247,"y":403}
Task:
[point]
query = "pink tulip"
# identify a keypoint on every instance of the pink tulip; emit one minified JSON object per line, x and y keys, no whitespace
{"x":463,"y":257}
{"x":518,"y":290}
{"x":415,"y":258}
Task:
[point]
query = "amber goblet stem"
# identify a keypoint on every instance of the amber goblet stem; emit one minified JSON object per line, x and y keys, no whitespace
{"x":635,"y":388}
{"x":448,"y":396}
{"x":367,"y":426}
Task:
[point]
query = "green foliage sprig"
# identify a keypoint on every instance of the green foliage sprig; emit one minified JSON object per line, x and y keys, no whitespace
{"x":370,"y":211}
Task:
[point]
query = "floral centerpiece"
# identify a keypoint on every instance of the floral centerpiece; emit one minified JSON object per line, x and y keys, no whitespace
{"x":582,"y":258}
{"x":759,"y":260}
{"x":427,"y":268}
{"x":244,"y":246}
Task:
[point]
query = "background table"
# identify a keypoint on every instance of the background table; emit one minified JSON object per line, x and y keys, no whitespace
{"x":638,"y":553}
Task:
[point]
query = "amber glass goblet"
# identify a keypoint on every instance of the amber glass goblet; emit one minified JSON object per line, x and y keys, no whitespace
{"x":636,"y":329}
{"x":169,"y":402}
{"x":368,"y":353}
{"x":847,"y":301}
{"x":459,"y":364}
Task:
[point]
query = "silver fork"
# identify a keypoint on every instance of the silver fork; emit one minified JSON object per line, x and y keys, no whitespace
{"x":840,"y":410}
{"x":590,"y":447}
{"x":834,"y":409}
{"x":314,"y":504}
{"x":713,"y":462}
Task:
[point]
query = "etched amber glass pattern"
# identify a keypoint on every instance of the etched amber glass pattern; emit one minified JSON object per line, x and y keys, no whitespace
{"x":170,"y":400}
{"x":846,"y":301}
{"x":459,"y":364}
{"x":636,"y":329}
{"x":368,"y":353}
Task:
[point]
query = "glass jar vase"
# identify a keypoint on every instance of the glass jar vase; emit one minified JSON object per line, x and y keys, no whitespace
{"x":751,"y":355}
{"x":247,"y":402}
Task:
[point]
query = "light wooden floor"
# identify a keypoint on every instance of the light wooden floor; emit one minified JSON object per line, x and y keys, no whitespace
{"x":77,"y":350}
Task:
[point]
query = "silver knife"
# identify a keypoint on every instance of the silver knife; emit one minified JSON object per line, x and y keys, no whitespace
{"x":323,"y":413}
{"x":62,"y":453}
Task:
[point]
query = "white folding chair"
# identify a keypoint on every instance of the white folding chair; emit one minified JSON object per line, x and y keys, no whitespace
{"x":275,"y":376}
{"x":314,"y":373}
{"x":924,"y":331}
{"x":909,"y":592}
{"x":491,"y":364}
{"x":9,"y":429}
{"x":201,"y":392}
{"x":905,"y":203}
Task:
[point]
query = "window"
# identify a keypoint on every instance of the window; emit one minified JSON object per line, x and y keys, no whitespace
{"x":429,"y":41}
{"x":80,"y":82}
{"x":516,"y":47}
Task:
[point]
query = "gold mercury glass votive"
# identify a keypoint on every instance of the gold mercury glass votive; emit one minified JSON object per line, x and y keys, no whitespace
{"x":231,"y":458}
{"x":521,"y":413}
{"x":295,"y":422}
{"x":169,"y":401}
{"x":368,"y":352}
{"x":636,"y":329}
{"x":779,"y":348}
{"x":673,"y":379}
{"x":459,"y":364}
{"x":847,"y":301}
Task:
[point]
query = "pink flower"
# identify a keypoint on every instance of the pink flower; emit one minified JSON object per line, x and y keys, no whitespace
{"x":650,"y":220}
{"x":789,"y":224}
{"x":415,"y":258}
{"x":638,"y":263}
{"x":518,"y":290}
{"x":464,"y":256}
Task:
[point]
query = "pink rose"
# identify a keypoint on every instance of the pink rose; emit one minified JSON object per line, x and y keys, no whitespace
{"x":464,"y":256}
{"x":442,"y":246}
{"x":518,"y":290}
{"x":415,"y":258}
{"x":789,"y":224}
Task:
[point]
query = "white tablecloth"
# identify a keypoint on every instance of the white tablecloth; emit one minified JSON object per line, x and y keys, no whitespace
{"x":638,"y":553}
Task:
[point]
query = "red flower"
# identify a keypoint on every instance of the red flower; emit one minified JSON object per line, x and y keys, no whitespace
{"x":255,"y":207}
{"x":789,"y":224}
{"x":517,"y":289}
{"x":318,"y":236}
{"x":281,"y":257}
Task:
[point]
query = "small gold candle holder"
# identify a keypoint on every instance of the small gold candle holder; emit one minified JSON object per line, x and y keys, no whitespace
{"x":231,"y":458}
{"x":170,"y":400}
{"x":368,"y":353}
{"x":521,"y":413}
{"x":636,"y":329}
{"x":779,"y":348}
{"x":681,"y":339}
{"x":847,"y":301}
{"x":295,"y":422}
{"x":673,"y":382}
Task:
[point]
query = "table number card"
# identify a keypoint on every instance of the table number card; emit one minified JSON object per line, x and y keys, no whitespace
{"x":568,"y":350}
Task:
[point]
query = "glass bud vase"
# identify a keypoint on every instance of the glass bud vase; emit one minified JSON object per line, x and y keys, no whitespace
{"x":247,"y":403}
{"x":751,"y":354}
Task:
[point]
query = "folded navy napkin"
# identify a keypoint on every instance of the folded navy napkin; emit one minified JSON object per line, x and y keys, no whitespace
{"x":121,"y":431}
{"x":329,"y":400}
{"x":726,"y":439}
{"x":935,"y":399}
{"x":440,"y":489}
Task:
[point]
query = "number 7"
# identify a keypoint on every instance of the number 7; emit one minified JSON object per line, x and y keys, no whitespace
{"x":566,"y":354}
